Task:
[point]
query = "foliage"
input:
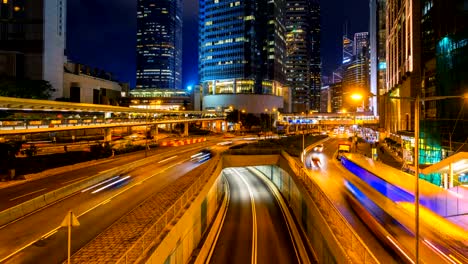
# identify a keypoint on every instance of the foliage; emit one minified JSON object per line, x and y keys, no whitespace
{"x":249,"y":120}
{"x":25,"y":88}
{"x":99,"y":151}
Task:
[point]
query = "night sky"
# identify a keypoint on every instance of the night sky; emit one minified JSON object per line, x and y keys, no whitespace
{"x":102,"y":33}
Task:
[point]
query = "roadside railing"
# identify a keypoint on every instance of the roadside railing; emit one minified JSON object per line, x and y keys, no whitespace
{"x":351,"y":244}
{"x":155,"y":233}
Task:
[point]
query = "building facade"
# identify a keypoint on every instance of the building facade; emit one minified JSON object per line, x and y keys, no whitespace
{"x":32,"y":40}
{"x":242,"y":52}
{"x":83,"y":84}
{"x":159,"y":44}
{"x":378,"y":63}
{"x":361,"y":44}
{"x":356,"y":80}
{"x":403,"y":57}
{"x":303,"y":64}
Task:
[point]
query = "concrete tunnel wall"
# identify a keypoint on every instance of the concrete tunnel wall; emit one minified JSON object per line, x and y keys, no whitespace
{"x":181,"y":241}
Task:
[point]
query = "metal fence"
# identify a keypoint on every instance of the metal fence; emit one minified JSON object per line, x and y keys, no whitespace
{"x":351,"y":244}
{"x":156,"y":232}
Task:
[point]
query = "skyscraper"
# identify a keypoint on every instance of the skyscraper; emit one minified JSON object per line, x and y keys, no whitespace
{"x":241,"y":54}
{"x":159,"y":44}
{"x":32,"y":40}
{"x":347,"y":50}
{"x":361,"y":44}
{"x":378,"y":63}
{"x":303,"y":65}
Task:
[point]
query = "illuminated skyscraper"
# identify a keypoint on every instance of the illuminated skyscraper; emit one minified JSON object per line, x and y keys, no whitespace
{"x":303,"y":65}
{"x":378,"y":63}
{"x":159,"y":44}
{"x":241,"y":54}
{"x":361,"y":44}
{"x":347,"y":50}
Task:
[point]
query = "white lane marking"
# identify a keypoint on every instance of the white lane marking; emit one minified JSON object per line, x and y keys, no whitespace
{"x":106,"y":201}
{"x":221,"y":224}
{"x":63,"y":183}
{"x":85,"y":212}
{"x":164,"y":160}
{"x":21,"y":196}
{"x":110,"y":184}
{"x":50,"y":234}
{"x":254,"y":219}
{"x":281,"y":205}
{"x":99,"y":184}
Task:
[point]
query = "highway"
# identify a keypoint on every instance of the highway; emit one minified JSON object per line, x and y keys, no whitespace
{"x":330,"y":176}
{"x":254,"y":229}
{"x":38,"y":237}
{"x":28,"y":190}
{"x":330,"y":179}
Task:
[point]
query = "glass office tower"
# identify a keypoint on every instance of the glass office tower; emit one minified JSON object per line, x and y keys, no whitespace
{"x":159,"y":44}
{"x":303,"y":62}
{"x":241,"y":50}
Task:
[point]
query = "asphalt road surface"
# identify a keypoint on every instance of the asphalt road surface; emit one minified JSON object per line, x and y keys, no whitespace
{"x":254,"y":229}
{"x":38,"y":238}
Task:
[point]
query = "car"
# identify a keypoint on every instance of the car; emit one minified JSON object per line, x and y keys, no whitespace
{"x":315,"y":162}
{"x":318,"y":148}
{"x":203,"y":155}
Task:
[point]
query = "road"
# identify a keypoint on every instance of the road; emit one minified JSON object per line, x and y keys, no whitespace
{"x":329,"y":178}
{"x":254,"y":229}
{"x":41,"y":239}
{"x":28,"y":190}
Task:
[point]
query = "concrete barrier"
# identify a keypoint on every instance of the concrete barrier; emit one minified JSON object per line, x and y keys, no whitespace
{"x":20,"y":210}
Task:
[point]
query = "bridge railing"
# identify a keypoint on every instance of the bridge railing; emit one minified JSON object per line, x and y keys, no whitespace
{"x":154,"y":234}
{"x":351,"y":244}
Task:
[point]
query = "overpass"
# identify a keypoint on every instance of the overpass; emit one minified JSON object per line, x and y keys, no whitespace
{"x":27,"y":116}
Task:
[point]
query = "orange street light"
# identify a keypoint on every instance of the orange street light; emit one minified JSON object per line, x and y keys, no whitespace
{"x":357,"y":97}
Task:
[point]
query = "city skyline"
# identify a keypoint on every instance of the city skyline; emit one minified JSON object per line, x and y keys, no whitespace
{"x":113,"y":31}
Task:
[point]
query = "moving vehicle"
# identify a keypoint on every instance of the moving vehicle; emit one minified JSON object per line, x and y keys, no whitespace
{"x":203,"y":155}
{"x":343,"y":148}
{"x":318,"y":148}
{"x":384,"y":199}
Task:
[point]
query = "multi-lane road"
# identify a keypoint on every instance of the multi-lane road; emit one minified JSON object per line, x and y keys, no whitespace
{"x":38,"y":238}
{"x":254,"y":228}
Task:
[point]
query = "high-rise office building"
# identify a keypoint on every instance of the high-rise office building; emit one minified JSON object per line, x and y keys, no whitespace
{"x":242,"y":54}
{"x":361,"y":44}
{"x":403,"y":57}
{"x":303,"y":66}
{"x":378,"y":63}
{"x":159,"y":44}
{"x":347,"y":50}
{"x":32,"y":40}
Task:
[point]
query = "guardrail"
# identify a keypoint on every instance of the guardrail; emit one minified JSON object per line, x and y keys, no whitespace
{"x":57,"y":123}
{"x":20,"y":210}
{"x":154,"y":234}
{"x":351,"y":244}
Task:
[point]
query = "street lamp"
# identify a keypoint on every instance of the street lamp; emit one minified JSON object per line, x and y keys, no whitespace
{"x":417,"y":100}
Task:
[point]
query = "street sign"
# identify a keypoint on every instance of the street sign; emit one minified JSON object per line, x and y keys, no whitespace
{"x":66,"y":221}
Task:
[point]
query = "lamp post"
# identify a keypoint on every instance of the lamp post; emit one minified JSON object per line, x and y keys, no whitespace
{"x":146,"y":135}
{"x":417,"y":100}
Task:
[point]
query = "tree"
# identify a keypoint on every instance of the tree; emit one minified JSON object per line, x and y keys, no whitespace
{"x":250,"y":120}
{"x":25,"y":88}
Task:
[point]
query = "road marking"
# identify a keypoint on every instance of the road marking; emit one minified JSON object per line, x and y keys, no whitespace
{"x":63,"y":183}
{"x":50,"y":233}
{"x":164,"y":160}
{"x":106,"y":201}
{"x":85,"y":212}
{"x":26,"y":194}
{"x":221,"y":224}
{"x":254,"y":219}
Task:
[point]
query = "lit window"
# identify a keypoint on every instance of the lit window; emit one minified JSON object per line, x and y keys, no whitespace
{"x":5,"y":1}
{"x":17,"y":8}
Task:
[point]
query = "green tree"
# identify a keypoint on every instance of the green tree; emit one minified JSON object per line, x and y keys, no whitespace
{"x":250,"y":120}
{"x":25,"y":88}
